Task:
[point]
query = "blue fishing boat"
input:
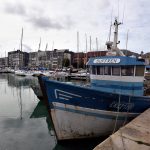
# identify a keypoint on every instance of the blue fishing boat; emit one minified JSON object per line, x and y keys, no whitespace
{"x":114,"y":97}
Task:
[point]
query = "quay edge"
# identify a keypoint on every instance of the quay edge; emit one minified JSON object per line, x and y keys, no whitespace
{"x":133,"y":136}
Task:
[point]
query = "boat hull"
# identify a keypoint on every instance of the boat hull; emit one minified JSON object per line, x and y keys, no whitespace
{"x":81,"y":112}
{"x":73,"y":122}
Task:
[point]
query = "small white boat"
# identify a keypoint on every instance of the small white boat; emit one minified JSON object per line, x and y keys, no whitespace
{"x":20,"y":73}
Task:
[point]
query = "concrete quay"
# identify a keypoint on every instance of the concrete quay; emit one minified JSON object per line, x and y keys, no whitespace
{"x":133,"y":136}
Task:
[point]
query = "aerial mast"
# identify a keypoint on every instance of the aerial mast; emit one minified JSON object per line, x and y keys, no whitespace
{"x":116,"y":24}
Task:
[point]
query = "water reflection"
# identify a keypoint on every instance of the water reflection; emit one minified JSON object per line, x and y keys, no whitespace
{"x":18,"y":81}
{"x":24,"y":120}
{"x":41,"y":111}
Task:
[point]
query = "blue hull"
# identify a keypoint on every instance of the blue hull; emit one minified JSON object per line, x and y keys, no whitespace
{"x":91,"y":98}
{"x":81,"y":112}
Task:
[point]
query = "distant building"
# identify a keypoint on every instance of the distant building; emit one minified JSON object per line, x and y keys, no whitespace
{"x":18,"y":59}
{"x":3,"y":62}
{"x":80,"y":59}
{"x":37,"y":59}
{"x":49,"y":59}
{"x":58,"y":57}
{"x":32,"y":59}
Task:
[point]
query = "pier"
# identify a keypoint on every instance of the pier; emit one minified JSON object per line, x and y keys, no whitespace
{"x":133,"y":136}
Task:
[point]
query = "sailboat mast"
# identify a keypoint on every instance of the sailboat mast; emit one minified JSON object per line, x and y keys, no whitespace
{"x":53,"y":46}
{"x":127,"y":39}
{"x":97,"y":44}
{"x":77,"y":50}
{"x":86,"y":48}
{"x":39,"y":44}
{"x":21,"y":59}
{"x":21,"y":40}
{"x":46,"y":54}
{"x":90,"y":43}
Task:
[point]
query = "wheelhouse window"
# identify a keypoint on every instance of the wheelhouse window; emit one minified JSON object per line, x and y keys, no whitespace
{"x":115,"y":71}
{"x":93,"y":69}
{"x":107,"y":70}
{"x":100,"y":70}
{"x":139,"y":71}
{"x":127,"y":70}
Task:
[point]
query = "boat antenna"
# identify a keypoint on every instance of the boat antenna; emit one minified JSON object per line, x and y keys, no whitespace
{"x":123,"y":13}
{"x":116,"y":24}
{"x":110,"y":26}
{"x":127,"y":41}
{"x":118,"y":10}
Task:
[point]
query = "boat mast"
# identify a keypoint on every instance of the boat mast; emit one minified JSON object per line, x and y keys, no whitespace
{"x":21,"y":60}
{"x":77,"y":50}
{"x":112,"y":46}
{"x":90,"y":43}
{"x":116,"y":24}
{"x":46,"y":54}
{"x":97,"y":45}
{"x":86,"y":50}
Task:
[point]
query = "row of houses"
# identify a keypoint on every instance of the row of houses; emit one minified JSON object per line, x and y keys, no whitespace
{"x":57,"y":58}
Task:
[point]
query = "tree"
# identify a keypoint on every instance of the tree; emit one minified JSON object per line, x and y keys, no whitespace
{"x":66,"y":62}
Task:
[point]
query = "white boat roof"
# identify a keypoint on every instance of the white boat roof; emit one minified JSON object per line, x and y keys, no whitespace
{"x":115,"y":61}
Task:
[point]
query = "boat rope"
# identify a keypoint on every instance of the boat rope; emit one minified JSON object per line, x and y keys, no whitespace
{"x":117,"y":115}
{"x":127,"y":111}
{"x":123,"y":144}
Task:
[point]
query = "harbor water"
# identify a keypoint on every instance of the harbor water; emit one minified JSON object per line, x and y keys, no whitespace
{"x":24,"y":120}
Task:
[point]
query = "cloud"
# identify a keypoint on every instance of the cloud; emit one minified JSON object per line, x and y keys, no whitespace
{"x":38,"y":19}
{"x":15,"y":8}
{"x":44,"y":22}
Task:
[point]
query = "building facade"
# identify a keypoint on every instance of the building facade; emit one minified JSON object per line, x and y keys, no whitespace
{"x":3,"y":62}
{"x":49,"y":59}
{"x":18,"y":59}
{"x":57,"y":58}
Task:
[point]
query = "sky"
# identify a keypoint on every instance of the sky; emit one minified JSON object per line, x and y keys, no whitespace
{"x":57,"y":22}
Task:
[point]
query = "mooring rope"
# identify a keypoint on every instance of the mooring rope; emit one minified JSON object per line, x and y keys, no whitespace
{"x":117,"y":115}
{"x":127,"y":112}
